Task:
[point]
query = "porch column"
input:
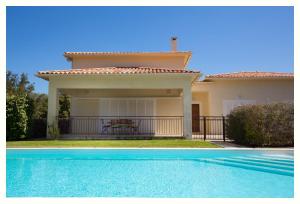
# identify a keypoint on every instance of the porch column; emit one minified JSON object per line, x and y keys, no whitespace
{"x":187,"y":112}
{"x":53,"y":105}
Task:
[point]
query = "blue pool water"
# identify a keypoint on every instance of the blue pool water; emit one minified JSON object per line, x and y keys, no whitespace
{"x":161,"y":173}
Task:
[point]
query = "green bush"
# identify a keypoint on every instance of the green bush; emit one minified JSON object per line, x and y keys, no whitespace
{"x":37,"y":128}
{"x":16,"y":117}
{"x":19,"y":98}
{"x":262,"y":125}
{"x":53,"y":131}
{"x":64,"y":106}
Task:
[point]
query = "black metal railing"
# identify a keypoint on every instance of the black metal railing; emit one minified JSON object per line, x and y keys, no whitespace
{"x":209,"y":128}
{"x":122,"y":125}
{"x":203,"y":127}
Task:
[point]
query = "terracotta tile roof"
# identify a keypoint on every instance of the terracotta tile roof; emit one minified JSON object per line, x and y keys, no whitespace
{"x":250,"y":75}
{"x":123,"y":53}
{"x":114,"y":70}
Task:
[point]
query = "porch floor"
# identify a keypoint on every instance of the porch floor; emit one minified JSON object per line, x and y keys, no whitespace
{"x":103,"y":137}
{"x":135,"y":137}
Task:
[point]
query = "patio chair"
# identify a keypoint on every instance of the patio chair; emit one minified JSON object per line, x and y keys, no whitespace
{"x":105,"y":126}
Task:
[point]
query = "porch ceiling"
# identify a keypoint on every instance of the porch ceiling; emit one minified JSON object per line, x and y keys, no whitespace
{"x":122,"y":92}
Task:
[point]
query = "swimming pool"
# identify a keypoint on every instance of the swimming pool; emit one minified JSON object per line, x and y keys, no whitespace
{"x":173,"y":173}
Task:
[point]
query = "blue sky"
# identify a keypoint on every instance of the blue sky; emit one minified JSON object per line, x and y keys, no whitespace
{"x":222,"y":39}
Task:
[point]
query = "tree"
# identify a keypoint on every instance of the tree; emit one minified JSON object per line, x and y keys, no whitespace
{"x":16,"y":117}
{"x":19,"y":105}
{"x":11,"y":83}
{"x":16,"y":85}
{"x":24,"y":84}
{"x":64,"y":106}
{"x":40,"y":105}
{"x":26,"y":111}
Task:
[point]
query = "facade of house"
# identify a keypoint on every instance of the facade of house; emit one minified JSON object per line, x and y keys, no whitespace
{"x":152,"y":93}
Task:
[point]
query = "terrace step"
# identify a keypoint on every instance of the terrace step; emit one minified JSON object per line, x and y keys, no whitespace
{"x":288,"y":157}
{"x":258,"y":163}
{"x":259,"y":159}
{"x":274,"y":159}
{"x":250,"y":167}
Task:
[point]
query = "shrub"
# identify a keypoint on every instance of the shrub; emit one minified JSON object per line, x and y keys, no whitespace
{"x":16,"y":118}
{"x":262,"y":125}
{"x":64,"y":106}
{"x":29,"y":113}
{"x":38,"y":128}
{"x":53,"y":131}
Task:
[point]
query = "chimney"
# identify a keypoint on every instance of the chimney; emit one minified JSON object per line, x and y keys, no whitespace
{"x":173,"y":44}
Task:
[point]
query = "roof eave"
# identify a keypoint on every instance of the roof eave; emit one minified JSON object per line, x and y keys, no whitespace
{"x":68,"y":58}
{"x":42,"y":76}
{"x":244,"y":78}
{"x":187,"y":59}
{"x":46,"y":76}
{"x":69,"y":55}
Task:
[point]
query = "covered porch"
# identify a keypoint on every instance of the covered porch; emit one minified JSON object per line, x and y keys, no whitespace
{"x":123,"y":114}
{"x":126,"y":106}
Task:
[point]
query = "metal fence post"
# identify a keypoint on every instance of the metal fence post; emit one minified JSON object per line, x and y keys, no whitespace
{"x":224,"y":128}
{"x":204,"y":126}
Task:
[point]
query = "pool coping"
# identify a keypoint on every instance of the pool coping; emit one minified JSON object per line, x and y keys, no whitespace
{"x":139,"y":148}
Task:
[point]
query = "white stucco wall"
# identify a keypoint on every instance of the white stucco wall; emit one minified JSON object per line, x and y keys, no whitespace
{"x":176,"y":62}
{"x":260,"y":91}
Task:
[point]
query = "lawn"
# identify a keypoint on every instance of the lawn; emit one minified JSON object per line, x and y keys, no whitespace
{"x":112,"y":143}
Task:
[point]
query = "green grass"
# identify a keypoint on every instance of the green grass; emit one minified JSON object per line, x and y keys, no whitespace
{"x":112,"y":143}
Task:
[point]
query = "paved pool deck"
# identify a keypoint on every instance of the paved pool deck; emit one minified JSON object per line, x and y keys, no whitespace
{"x":232,"y":145}
{"x":227,"y":144}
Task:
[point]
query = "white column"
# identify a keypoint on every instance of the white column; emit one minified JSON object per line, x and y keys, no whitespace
{"x":53,"y":105}
{"x":187,"y":112}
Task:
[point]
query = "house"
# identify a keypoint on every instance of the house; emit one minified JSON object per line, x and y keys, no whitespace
{"x":153,"y":93}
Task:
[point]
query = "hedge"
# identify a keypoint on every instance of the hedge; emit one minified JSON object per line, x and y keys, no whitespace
{"x":16,"y":118}
{"x":38,"y":128}
{"x":262,"y":125}
{"x":19,"y":122}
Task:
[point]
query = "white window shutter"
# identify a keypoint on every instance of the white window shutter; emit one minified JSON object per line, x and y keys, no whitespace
{"x":126,"y":107}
